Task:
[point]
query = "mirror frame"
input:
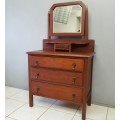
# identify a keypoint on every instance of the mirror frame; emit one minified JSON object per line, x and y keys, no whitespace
{"x":50,"y":19}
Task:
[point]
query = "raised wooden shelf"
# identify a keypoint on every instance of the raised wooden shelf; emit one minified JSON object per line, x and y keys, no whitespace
{"x":68,"y":45}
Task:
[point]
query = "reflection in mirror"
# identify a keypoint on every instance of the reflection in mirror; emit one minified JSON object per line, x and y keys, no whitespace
{"x":67,"y":19}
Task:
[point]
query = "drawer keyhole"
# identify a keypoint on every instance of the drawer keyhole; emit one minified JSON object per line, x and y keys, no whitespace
{"x":73,"y":80}
{"x":73,"y":66}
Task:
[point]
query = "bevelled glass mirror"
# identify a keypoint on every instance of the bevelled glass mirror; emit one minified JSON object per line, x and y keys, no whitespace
{"x":67,"y":19}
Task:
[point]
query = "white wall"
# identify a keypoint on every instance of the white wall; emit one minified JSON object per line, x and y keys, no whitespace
{"x":26,"y":26}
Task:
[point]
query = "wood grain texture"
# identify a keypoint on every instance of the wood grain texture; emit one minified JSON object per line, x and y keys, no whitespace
{"x":73,"y":94}
{"x":57,"y":63}
{"x":74,"y":55}
{"x":56,"y":76}
{"x":70,"y":45}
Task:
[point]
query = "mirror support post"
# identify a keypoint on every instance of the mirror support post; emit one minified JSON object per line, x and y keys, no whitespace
{"x":48,"y":24}
{"x":86,"y":24}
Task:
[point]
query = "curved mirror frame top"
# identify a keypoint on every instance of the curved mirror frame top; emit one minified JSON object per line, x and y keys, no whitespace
{"x":67,"y":19}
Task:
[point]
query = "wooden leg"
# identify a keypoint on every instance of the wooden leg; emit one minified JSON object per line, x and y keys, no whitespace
{"x":89,"y":97}
{"x":83,"y":111}
{"x":30,"y":100}
{"x":89,"y":100}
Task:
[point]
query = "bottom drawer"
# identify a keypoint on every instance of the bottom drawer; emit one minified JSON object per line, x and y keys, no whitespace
{"x":73,"y":94}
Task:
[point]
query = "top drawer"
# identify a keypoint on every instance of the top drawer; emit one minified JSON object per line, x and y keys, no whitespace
{"x":58,"y":63}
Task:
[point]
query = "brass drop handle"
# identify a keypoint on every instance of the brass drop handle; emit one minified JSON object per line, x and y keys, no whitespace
{"x":73,"y":66}
{"x":37,"y":90}
{"x":36,"y":63}
{"x":73,"y":80}
{"x":73,"y":96}
{"x":37,"y":75}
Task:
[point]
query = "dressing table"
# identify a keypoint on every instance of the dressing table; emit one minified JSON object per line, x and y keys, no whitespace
{"x":63,"y":69}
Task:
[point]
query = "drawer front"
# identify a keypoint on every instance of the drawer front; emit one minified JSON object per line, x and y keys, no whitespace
{"x":62,"y":46}
{"x":58,"y":63}
{"x":59,"y":92}
{"x":56,"y":76}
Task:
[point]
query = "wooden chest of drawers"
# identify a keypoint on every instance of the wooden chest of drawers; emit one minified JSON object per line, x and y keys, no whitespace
{"x":60,"y":75}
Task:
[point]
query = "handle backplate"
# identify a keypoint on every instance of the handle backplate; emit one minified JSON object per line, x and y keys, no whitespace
{"x":73,"y":66}
{"x":73,"y":80}
{"x":36,"y":63}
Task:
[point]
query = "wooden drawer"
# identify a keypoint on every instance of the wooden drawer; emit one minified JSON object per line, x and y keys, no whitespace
{"x":58,"y":63}
{"x":60,"y":46}
{"x":73,"y":94}
{"x":56,"y":76}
